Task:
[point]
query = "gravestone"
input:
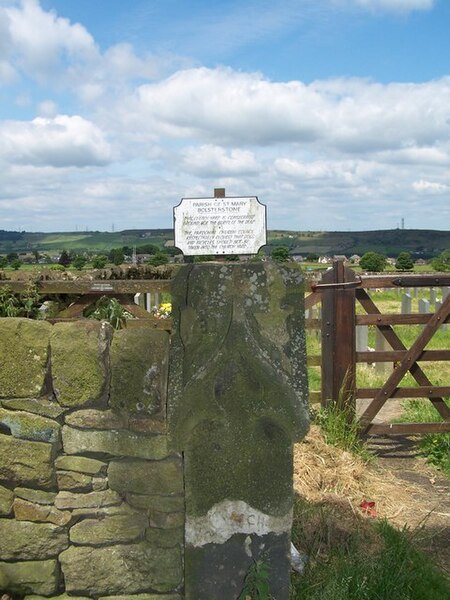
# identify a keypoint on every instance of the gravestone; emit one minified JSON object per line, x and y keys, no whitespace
{"x":432,"y":296}
{"x":382,"y":345}
{"x":362,"y":338}
{"x":237,"y":401}
{"x":424,"y":306}
{"x":406,"y":304}
{"x":445,"y":292}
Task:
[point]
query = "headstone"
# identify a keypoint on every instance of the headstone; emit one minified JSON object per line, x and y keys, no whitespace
{"x":438,"y":305}
{"x":424,"y":306}
{"x":406,"y":304}
{"x":445,"y":292}
{"x":362,"y":338}
{"x":139,"y":299}
{"x":238,"y":399}
{"x":382,"y":345}
{"x":432,"y":296}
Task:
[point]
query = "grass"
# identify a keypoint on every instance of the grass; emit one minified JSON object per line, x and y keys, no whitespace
{"x":434,"y":446}
{"x":340,"y":429}
{"x":354,"y":558}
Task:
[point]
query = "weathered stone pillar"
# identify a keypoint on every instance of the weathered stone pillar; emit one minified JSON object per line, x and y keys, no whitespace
{"x":237,"y":402}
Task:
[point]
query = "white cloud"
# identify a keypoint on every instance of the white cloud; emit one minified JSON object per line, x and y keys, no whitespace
{"x":214,"y":161}
{"x":62,"y":141}
{"x":401,"y":6}
{"x":429,"y":186}
{"x":352,"y":115}
{"x":43,"y":40}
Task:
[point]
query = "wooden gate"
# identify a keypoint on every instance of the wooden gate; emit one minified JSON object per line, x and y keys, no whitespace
{"x":339,"y":291}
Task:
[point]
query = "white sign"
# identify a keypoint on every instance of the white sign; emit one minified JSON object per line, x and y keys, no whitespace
{"x":220,"y":225}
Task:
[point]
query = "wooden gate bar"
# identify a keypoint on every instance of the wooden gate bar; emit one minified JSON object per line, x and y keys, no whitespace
{"x":411,"y":319}
{"x":406,"y":363}
{"x":423,"y":391}
{"x":397,"y":355}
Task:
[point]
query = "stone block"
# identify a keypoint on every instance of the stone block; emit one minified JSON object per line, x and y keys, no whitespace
{"x":81,"y":464}
{"x":139,"y":361}
{"x":238,"y":399}
{"x":144,"y":477}
{"x":112,"y":529}
{"x":29,"y":426}
{"x":91,"y":418}
{"x":24,"y":540}
{"x":143,"y":597}
{"x":24,"y":347}
{"x":26,"y":463}
{"x":165,"y":538}
{"x":75,"y":482}
{"x":31,"y":577}
{"x":70,"y":500}
{"x":6,"y":501}
{"x":157,"y":502}
{"x":28,"y":511}
{"x":60,"y":597}
{"x":80,"y":363}
{"x":37,"y":406}
{"x":115,"y":443}
{"x":35,"y":496}
{"x":121,"y":569}
{"x":165,"y":520}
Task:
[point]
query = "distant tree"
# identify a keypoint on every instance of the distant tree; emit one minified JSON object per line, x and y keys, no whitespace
{"x":116,"y":256}
{"x":312,"y":257}
{"x":3,"y":262}
{"x":148,"y":249}
{"x":404,"y":262}
{"x":12,"y":256}
{"x":64,"y":259}
{"x":441,"y":262}
{"x":16,"y":264}
{"x":79,"y":262}
{"x":280,"y":253}
{"x":99,"y":261}
{"x":160,"y":258}
{"x":37,"y":256}
{"x":373,"y":262}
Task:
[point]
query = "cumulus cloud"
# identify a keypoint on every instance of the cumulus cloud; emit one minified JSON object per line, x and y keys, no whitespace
{"x":43,"y":40}
{"x":429,"y":186}
{"x":402,"y":6}
{"x":351,"y":115}
{"x":62,"y":141}
{"x":214,"y":161}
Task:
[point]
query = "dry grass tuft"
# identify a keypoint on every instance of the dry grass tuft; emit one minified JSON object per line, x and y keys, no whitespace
{"x":325,"y":473}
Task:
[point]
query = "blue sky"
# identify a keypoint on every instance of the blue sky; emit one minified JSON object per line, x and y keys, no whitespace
{"x":335,"y":113}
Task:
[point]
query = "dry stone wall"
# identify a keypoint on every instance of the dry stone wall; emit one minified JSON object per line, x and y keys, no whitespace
{"x":91,"y":498}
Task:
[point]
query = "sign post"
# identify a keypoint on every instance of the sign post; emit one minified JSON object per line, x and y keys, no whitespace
{"x":220,"y":225}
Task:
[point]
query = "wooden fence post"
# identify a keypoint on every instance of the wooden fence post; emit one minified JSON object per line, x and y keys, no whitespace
{"x":338,"y":338}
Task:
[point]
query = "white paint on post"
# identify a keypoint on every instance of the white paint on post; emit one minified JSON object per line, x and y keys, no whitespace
{"x":231,"y":517}
{"x":220,"y":226}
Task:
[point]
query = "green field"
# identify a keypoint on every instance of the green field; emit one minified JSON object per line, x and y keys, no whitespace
{"x":424,"y":243}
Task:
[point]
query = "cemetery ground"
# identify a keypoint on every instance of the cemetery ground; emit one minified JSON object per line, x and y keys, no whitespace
{"x":373,"y":517}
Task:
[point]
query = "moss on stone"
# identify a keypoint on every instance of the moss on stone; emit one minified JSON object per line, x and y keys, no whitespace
{"x":26,"y":463}
{"x":80,"y":363}
{"x":139,"y":359}
{"x":24,"y":347}
{"x":29,"y":426}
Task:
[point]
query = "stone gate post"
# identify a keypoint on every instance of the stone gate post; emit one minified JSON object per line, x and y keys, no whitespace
{"x":237,"y":403}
